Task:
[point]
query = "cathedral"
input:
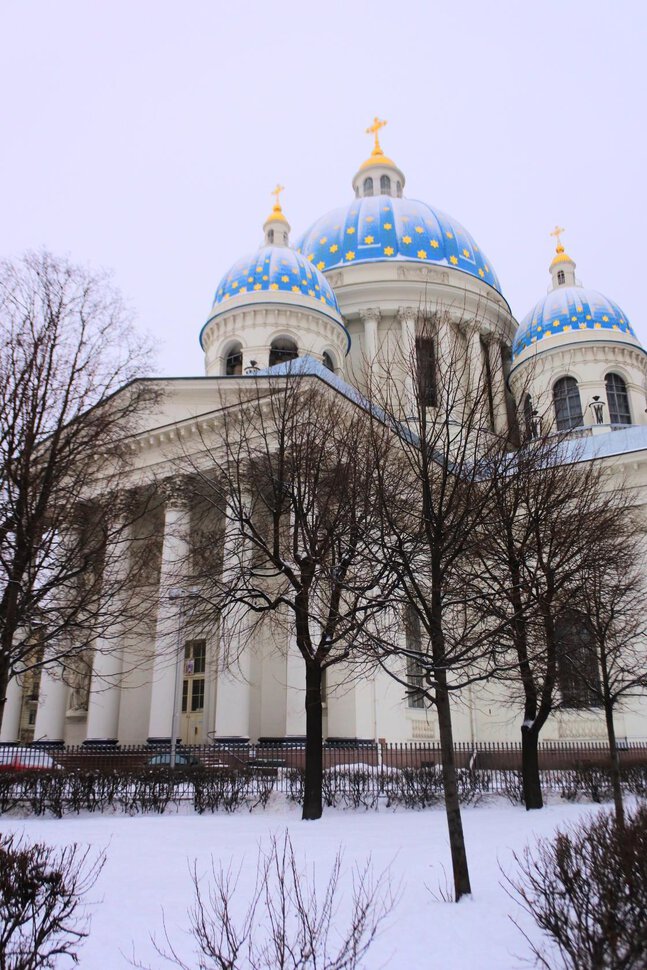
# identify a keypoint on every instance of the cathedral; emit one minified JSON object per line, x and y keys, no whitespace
{"x":337,"y":299}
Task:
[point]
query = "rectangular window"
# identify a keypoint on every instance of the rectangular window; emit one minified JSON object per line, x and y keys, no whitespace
{"x":426,"y":366}
{"x":197,"y":694}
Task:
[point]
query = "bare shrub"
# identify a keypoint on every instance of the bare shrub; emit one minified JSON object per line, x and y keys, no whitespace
{"x":42,"y":917}
{"x":587,"y":891}
{"x":287,"y":923}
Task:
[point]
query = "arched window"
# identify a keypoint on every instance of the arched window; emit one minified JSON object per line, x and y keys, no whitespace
{"x":368,"y":186}
{"x":568,"y":408}
{"x":234,"y":361}
{"x":328,"y":361}
{"x":415,"y":670}
{"x":270,"y":236}
{"x":577,"y":665}
{"x":561,"y":277}
{"x":398,"y":189}
{"x":281,"y":350}
{"x":426,"y":367}
{"x":617,"y":399}
{"x":385,"y":185}
{"x":529,"y":417}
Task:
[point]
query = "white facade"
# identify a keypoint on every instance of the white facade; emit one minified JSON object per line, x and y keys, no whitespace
{"x":349,"y":309}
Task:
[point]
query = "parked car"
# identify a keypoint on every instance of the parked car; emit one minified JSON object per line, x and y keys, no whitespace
{"x":181,"y":760}
{"x":14,"y":758}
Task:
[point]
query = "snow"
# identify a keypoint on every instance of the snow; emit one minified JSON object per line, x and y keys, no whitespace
{"x":148,"y":860}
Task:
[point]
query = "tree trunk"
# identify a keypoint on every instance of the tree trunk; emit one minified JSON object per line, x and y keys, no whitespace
{"x":4,"y":683}
{"x":615,"y":767}
{"x":532,"y":795}
{"x":312,"y":797}
{"x":452,"y":805}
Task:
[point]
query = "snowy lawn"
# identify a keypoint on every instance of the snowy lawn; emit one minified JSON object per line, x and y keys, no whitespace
{"x":147,"y":871}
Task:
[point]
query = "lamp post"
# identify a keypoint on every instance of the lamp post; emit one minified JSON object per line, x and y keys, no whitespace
{"x":181,"y":596}
{"x":598,"y":409}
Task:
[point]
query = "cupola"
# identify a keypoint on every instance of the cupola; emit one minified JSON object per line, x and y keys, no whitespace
{"x":276,"y":227}
{"x":378,"y":175}
{"x":562,"y":268}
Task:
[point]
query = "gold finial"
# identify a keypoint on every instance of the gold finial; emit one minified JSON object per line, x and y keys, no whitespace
{"x":276,"y":193}
{"x":557,"y":232}
{"x":373,"y":130}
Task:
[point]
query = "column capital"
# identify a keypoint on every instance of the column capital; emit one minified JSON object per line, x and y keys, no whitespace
{"x":407,"y":313}
{"x":176,"y":492}
{"x":370,"y":313}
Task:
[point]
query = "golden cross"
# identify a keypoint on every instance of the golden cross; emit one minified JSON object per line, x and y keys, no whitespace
{"x":276,"y":193}
{"x":557,"y":231}
{"x":373,"y":130}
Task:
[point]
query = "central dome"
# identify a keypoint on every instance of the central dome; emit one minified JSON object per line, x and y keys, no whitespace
{"x":385,"y":228}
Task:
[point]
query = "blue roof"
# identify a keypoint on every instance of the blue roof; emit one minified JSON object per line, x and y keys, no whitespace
{"x":569,"y":308}
{"x":384,"y":228}
{"x":275,"y":268}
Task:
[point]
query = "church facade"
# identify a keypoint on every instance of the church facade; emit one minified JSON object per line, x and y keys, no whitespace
{"x":345,"y":297}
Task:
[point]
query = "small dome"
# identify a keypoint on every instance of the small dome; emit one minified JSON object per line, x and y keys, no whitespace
{"x":570,"y":308}
{"x":276,"y":269}
{"x":384,"y":228}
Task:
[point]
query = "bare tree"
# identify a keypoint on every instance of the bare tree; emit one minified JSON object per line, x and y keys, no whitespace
{"x":442,"y":403}
{"x":299,"y":927}
{"x":66,"y":346}
{"x":612,"y":664}
{"x":42,"y":892}
{"x":550,"y":515}
{"x":291,"y":471}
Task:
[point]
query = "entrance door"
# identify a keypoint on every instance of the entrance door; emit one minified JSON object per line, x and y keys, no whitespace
{"x":193,"y":687}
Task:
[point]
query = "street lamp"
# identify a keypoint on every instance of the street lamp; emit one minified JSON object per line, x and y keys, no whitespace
{"x":598,"y":409}
{"x":181,"y":596}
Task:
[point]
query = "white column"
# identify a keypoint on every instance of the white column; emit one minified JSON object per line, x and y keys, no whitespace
{"x":295,"y":695}
{"x":107,"y":661}
{"x":370,"y":317}
{"x":173,"y":571}
{"x":475,"y":361}
{"x":407,"y":316}
{"x":12,"y":709}
{"x":52,"y":703}
{"x":498,"y":387}
{"x":233,"y":689}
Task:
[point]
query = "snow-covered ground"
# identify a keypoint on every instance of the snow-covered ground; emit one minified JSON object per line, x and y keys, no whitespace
{"x":147,"y":872}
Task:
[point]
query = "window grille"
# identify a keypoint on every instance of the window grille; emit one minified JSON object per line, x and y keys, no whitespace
{"x":618,"y":399}
{"x":568,"y":407}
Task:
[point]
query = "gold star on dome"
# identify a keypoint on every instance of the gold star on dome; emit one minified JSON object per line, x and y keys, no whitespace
{"x":598,"y":326}
{"x":295,"y":289}
{"x":579,"y":309}
{"x":311,"y":292}
{"x":406,"y":240}
{"x":311,"y":256}
{"x":321,"y":264}
{"x":350,"y":230}
{"x":265,"y":278}
{"x":243,"y":289}
{"x":466,"y":253}
{"x":385,"y":208}
{"x":388,"y":225}
{"x":274,"y":286}
{"x":453,"y":260}
{"x":323,"y":299}
{"x":350,"y":255}
{"x":370,"y":218}
{"x":573,"y":318}
{"x":285,"y":279}
{"x":422,"y":254}
{"x":368,"y":240}
{"x":324,"y":239}
{"x":567,"y":327}
{"x":605,"y":318}
{"x":450,"y":235}
{"x":388,"y":250}
{"x":419,"y":229}
{"x":583,"y":326}
{"x":259,"y":269}
{"x":433,"y":243}
{"x":334,"y":248}
{"x":257,"y":286}
{"x":481,"y":273}
{"x":250,"y":279}
{"x":234,"y":284}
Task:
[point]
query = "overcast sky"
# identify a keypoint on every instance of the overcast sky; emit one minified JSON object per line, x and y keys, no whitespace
{"x":145,"y":136}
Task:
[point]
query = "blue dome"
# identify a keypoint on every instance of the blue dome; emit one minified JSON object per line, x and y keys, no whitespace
{"x":275,"y":268}
{"x":569,"y":308}
{"x":384,"y":228}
